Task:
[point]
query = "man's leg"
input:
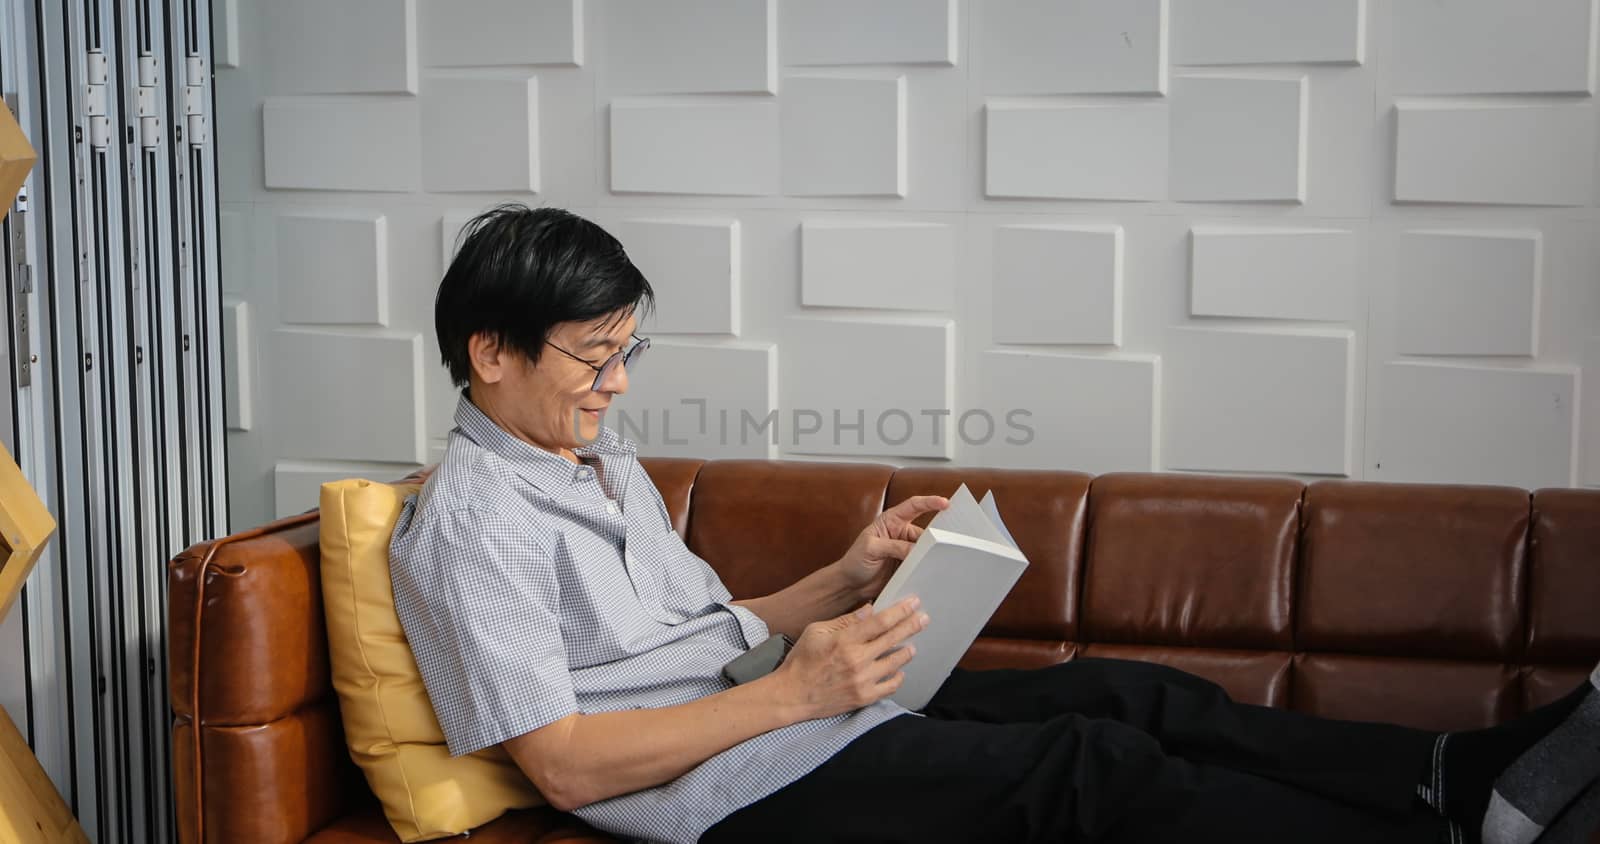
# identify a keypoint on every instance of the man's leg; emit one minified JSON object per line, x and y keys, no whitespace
{"x":1068,"y":778}
{"x":1540,"y":765}
{"x":1373,"y":765}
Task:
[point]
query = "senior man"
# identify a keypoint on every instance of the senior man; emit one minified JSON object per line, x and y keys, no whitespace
{"x":554,"y":611}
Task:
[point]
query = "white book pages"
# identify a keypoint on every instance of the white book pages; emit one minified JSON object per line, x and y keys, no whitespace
{"x":994,"y":514}
{"x":965,"y":516}
{"x":960,"y":580}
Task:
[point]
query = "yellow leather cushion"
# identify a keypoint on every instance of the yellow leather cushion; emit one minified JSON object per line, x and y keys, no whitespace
{"x":389,"y":723}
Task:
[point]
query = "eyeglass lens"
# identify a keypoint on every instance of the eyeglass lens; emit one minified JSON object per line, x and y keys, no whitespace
{"x":624,"y":359}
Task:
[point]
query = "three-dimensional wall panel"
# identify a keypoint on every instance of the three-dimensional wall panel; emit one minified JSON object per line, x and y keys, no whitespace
{"x":333,"y":377}
{"x":349,"y":47}
{"x":1073,"y":47}
{"x":1461,"y":424}
{"x":1238,"y":139}
{"x":1259,"y":401}
{"x":238,"y":362}
{"x":475,"y":33}
{"x":727,"y":148}
{"x":866,"y":387}
{"x":1493,"y":47}
{"x":333,"y":267}
{"x":1467,"y":293}
{"x":842,"y":32}
{"x":844,"y":136}
{"x":1076,"y":151}
{"x":702,"y":401}
{"x":1221,"y":32}
{"x":1495,"y":154}
{"x":342,"y":143}
{"x":860,"y":264}
{"x":691,"y":46}
{"x":1275,"y":273}
{"x":693,"y":267}
{"x":480,"y":133}
{"x":1057,"y":284}
{"x":1085,"y":414}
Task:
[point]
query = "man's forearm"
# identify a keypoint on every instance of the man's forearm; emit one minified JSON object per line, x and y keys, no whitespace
{"x":582,"y":759}
{"x":822,"y":594}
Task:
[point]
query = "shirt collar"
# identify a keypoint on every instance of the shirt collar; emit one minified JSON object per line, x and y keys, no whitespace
{"x":544,"y":469}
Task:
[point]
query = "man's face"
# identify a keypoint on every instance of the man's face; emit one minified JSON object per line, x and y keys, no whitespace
{"x":555,"y":403}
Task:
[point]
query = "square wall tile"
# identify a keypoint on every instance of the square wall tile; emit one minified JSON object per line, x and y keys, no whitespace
{"x":722,"y":148}
{"x":1076,"y":152}
{"x":691,"y":46}
{"x":843,"y":32}
{"x":1474,"y":425}
{"x":480,"y":133}
{"x":341,"y":143}
{"x":1220,"y":32}
{"x":1493,"y":47}
{"x":356,"y":396}
{"x":1495,"y":154}
{"x":1259,"y":401}
{"x":844,"y":137}
{"x":1275,"y":273}
{"x":1072,"y":46}
{"x":333,"y":267}
{"x":1058,"y":284}
{"x":703,"y":401}
{"x":860,"y":264}
{"x":238,"y":365}
{"x":1066,"y":412}
{"x":856,"y":386}
{"x":477,"y":33}
{"x":1467,"y":293}
{"x":1238,"y":139}
{"x":693,"y":266}
{"x":349,"y":47}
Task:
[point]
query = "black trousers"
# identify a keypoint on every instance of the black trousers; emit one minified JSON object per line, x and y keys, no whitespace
{"x":1106,"y":750}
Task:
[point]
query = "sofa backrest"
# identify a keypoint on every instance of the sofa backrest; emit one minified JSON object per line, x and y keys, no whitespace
{"x":1430,"y":605}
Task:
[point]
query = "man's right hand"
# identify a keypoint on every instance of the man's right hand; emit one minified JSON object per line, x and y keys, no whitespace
{"x":848,"y":662}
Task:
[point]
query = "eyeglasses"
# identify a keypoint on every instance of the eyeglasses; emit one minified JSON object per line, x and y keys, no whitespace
{"x":625,"y":359}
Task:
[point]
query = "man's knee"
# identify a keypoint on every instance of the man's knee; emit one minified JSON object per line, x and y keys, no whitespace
{"x":1139,"y":673}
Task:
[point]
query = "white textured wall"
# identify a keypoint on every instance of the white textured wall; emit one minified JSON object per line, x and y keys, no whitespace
{"x":1323,"y":238}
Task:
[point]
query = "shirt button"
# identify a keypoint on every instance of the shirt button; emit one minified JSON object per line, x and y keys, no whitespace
{"x":612,"y":508}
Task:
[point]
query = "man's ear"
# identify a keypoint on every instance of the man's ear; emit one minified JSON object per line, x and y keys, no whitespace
{"x":488,"y":357}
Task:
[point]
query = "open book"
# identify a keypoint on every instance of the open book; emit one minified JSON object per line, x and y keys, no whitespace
{"x":962,"y":567}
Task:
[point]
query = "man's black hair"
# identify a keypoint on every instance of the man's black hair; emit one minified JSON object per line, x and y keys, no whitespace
{"x":519,"y":271}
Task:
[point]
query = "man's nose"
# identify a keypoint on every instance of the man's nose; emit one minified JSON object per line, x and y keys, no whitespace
{"x":615,"y":381}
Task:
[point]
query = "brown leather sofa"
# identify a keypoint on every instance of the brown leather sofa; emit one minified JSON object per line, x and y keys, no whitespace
{"x":1436,"y":606}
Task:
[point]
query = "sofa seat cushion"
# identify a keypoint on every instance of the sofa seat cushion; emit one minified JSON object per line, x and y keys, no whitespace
{"x":389,"y":723}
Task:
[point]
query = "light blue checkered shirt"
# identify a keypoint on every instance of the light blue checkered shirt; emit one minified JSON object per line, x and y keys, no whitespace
{"x":532,"y":588}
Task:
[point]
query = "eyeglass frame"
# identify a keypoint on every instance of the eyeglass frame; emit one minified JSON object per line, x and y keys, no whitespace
{"x":622,"y":355}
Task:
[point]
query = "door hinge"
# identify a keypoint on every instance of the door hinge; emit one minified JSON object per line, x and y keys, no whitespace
{"x":194,"y":102}
{"x":149,"y":102}
{"x":94,"y":100}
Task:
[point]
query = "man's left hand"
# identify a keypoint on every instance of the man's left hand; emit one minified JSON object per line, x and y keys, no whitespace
{"x":877,"y":552}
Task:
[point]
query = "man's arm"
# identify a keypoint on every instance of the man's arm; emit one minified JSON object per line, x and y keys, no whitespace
{"x":837,"y":666}
{"x":824,"y":593}
{"x":581,"y":759}
{"x":855,"y":578}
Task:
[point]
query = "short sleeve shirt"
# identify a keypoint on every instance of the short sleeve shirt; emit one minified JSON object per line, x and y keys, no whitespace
{"x":531,"y":588}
